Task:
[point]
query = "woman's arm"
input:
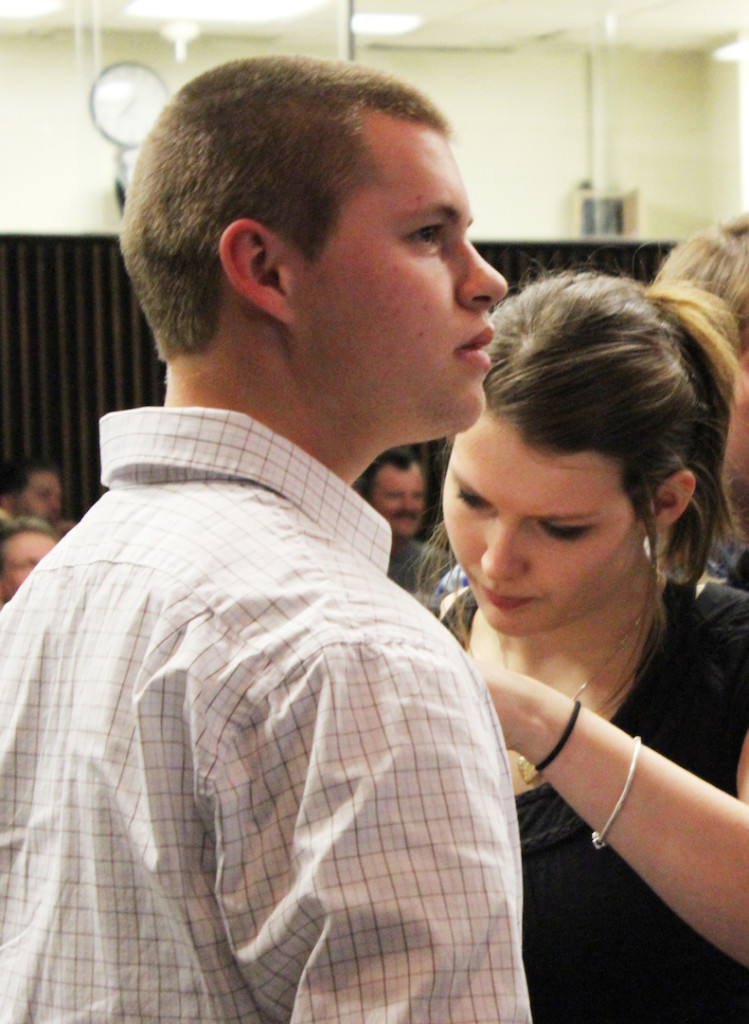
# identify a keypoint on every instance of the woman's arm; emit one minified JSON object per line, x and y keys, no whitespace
{"x":688,"y":840}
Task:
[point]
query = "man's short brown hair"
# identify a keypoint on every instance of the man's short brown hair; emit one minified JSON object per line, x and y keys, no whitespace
{"x":274,"y":139}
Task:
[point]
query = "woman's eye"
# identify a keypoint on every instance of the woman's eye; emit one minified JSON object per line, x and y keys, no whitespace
{"x":560,"y":532}
{"x":470,"y":499}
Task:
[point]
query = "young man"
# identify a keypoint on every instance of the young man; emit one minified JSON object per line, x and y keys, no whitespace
{"x":256,"y":783}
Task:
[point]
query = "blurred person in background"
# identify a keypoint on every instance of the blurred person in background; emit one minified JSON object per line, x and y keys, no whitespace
{"x":395,"y":486}
{"x":717,"y":259}
{"x":24,"y":541}
{"x":33,"y":487}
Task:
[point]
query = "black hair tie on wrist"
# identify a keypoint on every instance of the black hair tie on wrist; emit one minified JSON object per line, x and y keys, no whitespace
{"x":562,"y":740}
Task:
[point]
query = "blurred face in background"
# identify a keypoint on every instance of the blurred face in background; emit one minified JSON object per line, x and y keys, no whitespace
{"x":399,"y":496}
{"x":41,"y":497}
{"x":19,"y":555}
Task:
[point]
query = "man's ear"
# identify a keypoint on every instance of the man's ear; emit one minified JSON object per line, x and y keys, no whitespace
{"x":673,"y":496}
{"x":254,"y":260}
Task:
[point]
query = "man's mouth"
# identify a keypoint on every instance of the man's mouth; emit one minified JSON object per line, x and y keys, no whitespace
{"x":474,"y":351}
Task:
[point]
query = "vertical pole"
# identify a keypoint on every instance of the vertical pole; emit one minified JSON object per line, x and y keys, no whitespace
{"x":743,"y":77}
{"x":346,"y":40}
{"x":599,"y":92}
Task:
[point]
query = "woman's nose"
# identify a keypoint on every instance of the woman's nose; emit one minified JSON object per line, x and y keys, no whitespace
{"x":503,"y":557}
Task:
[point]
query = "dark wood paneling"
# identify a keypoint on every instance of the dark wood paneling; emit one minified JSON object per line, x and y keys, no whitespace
{"x":519,"y":262}
{"x":74,"y":344}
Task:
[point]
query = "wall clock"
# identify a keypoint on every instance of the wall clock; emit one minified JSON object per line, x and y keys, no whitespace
{"x":126,"y":99}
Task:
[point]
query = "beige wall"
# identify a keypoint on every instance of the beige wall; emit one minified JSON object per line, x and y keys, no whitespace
{"x":522,"y":132}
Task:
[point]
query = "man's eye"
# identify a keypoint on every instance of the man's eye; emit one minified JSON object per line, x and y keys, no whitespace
{"x":428,"y":234}
{"x":565,"y":532}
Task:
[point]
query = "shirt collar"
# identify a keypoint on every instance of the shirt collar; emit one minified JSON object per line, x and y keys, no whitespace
{"x":159,"y":445}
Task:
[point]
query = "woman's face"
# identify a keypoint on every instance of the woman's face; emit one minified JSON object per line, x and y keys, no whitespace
{"x":547,"y":541}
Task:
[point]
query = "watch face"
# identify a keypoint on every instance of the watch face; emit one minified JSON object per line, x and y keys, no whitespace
{"x":125,"y":101}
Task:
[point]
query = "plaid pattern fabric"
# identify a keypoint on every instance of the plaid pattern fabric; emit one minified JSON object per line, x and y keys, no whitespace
{"x":243,"y":776}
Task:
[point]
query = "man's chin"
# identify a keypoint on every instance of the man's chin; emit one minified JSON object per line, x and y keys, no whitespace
{"x":468,"y":413}
{"x":399,"y":535}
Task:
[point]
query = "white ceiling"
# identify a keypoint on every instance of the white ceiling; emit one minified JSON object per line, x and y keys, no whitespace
{"x":460,"y":24}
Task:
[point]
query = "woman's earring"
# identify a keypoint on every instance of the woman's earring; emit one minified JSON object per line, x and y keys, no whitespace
{"x":652,"y":557}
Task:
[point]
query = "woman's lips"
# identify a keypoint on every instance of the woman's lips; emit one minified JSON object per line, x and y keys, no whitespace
{"x":504,"y":602}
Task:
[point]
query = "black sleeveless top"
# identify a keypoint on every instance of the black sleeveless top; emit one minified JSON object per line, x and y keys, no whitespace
{"x":599,"y":945}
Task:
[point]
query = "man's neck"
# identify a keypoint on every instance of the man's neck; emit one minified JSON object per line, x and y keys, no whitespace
{"x":192,"y":382}
{"x":399,"y":546}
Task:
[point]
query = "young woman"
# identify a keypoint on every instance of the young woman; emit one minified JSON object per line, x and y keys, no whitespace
{"x":582,"y":507}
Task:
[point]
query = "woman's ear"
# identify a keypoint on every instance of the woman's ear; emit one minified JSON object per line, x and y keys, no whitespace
{"x":255,"y":259}
{"x":673,"y":496}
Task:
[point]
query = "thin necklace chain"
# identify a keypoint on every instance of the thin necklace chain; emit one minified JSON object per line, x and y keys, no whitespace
{"x":599,"y":672}
{"x":528,"y":770}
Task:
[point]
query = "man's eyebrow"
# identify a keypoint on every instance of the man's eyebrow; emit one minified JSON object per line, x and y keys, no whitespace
{"x":447,"y":211}
{"x":450,"y":211}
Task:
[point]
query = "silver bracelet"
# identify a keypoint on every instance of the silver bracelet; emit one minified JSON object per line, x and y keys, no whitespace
{"x":599,"y":838}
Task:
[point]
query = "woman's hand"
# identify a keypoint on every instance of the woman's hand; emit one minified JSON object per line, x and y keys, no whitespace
{"x":531,"y":714}
{"x":686,"y":839}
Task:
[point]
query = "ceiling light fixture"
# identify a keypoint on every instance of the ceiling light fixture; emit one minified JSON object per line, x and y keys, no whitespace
{"x":28,"y":8}
{"x":251,"y":11}
{"x":384,"y":24}
{"x":733,"y":51}
{"x":180,"y":33}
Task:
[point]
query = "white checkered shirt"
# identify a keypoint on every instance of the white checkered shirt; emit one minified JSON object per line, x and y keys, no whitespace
{"x":243,"y":775}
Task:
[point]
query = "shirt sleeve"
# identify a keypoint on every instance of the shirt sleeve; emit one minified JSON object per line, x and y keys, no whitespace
{"x":367,"y":854}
